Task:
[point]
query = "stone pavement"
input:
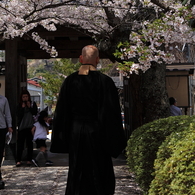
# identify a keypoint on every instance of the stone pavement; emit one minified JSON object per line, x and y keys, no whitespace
{"x":51,"y":180}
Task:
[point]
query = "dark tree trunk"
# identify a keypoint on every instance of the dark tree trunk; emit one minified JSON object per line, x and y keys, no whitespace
{"x":148,"y":96}
{"x":154,"y":93}
{"x":135,"y":100}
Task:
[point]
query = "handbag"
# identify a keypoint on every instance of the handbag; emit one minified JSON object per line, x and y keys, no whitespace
{"x":27,"y":121}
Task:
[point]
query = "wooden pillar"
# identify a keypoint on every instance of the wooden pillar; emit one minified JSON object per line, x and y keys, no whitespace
{"x":127,"y":107}
{"x":22,"y":74}
{"x":11,"y":89}
{"x":11,"y":78}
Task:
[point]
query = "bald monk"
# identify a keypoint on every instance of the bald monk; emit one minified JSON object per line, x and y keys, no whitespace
{"x":87,"y":124}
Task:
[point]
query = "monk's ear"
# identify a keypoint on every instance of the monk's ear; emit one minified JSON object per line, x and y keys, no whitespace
{"x":81,"y":59}
{"x":97,"y":60}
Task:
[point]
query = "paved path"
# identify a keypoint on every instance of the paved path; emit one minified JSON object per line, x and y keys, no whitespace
{"x":51,"y":180}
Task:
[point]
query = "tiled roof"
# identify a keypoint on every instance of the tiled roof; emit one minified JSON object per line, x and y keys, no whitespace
{"x":32,"y":82}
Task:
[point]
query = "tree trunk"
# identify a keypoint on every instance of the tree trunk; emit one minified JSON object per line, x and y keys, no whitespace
{"x":154,"y":93}
{"x":148,"y":96}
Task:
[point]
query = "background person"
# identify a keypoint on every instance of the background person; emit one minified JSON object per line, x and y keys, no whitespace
{"x":40,"y":132}
{"x":5,"y":126}
{"x":25,"y":111}
{"x":88,"y":125}
{"x":174,"y":110}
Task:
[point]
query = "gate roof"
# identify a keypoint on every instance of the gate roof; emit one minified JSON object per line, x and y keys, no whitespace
{"x":67,"y":41}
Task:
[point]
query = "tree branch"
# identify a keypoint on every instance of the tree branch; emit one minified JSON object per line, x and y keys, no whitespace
{"x":161,"y":5}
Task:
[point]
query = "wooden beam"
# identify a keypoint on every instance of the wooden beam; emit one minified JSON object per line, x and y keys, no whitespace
{"x":61,"y":31}
{"x":40,"y":54}
{"x":58,"y":44}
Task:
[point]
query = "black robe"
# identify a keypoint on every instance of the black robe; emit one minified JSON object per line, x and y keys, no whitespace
{"x":88,"y":125}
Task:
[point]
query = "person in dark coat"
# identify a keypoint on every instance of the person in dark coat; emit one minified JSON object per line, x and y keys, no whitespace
{"x":24,"y":135}
{"x":87,"y":124}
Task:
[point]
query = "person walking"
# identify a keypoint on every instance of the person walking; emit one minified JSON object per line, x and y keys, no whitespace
{"x":5,"y":126}
{"x":40,"y":132}
{"x":26,"y":109}
{"x":87,"y":124}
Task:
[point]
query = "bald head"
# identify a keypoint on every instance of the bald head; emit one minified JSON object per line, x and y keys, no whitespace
{"x":90,"y":55}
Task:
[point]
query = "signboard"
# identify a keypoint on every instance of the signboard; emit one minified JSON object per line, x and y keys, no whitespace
{"x":177,"y":84}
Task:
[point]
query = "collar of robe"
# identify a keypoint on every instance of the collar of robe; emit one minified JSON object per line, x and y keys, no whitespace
{"x":85,"y":68}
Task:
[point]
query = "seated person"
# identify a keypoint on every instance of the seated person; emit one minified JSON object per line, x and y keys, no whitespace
{"x":174,"y":110}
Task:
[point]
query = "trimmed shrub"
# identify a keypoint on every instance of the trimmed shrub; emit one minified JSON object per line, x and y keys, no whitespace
{"x":144,"y":142}
{"x":175,"y":165}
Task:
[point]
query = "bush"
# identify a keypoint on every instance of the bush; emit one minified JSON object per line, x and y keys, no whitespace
{"x":144,"y":142}
{"x":175,"y":165}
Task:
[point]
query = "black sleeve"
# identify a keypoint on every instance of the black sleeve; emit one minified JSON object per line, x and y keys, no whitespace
{"x":111,"y":120}
{"x":60,"y":129}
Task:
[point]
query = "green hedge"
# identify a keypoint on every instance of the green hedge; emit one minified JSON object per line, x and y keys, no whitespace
{"x":144,"y":142}
{"x":175,"y":165}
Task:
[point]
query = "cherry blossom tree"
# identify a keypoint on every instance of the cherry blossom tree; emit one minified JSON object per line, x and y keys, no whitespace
{"x":144,"y":21}
{"x":142,"y":30}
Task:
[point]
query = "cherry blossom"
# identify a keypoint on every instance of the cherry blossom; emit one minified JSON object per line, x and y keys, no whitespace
{"x":153,"y":24}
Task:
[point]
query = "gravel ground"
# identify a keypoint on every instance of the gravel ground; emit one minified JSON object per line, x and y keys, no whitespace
{"x":52,"y":181}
